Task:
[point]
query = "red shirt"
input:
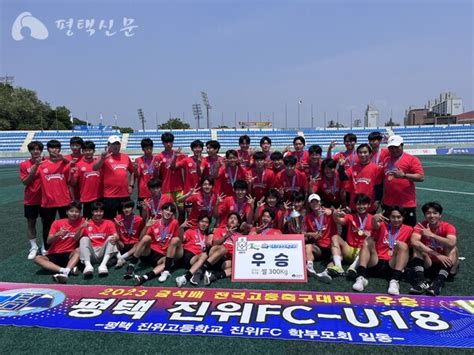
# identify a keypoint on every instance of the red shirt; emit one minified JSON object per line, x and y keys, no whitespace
{"x":89,"y":181}
{"x":32,"y":194}
{"x":162,"y":234}
{"x":302,"y":157}
{"x":226,"y":178}
{"x":200,"y":204}
{"x":385,"y":241}
{"x":67,"y":243}
{"x":353,"y":223}
{"x":323,"y":223}
{"x":279,"y":215}
{"x":262,"y":182}
{"x":379,"y":156}
{"x":147,"y":169}
{"x":191,"y":172}
{"x":115,"y":173}
{"x":71,"y":157}
{"x":313,"y":171}
{"x":329,"y":189}
{"x":99,"y":232}
{"x":73,"y":161}
{"x":401,"y":191}
{"x":213,"y":166}
{"x":351,"y":158}
{"x":194,"y":241}
{"x":444,"y":230}
{"x":229,"y":242}
{"x":362,"y":180}
{"x":153,"y":206}
{"x":172,"y":178}
{"x":130,"y":232}
{"x":54,"y":178}
{"x":246,"y":159}
{"x":267,"y":231}
{"x":291,"y":184}
{"x":230,"y":205}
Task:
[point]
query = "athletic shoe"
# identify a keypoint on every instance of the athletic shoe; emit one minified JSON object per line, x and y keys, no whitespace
{"x":310,"y":269}
{"x":181,"y":281}
{"x":394,"y":288}
{"x":436,"y":287}
{"x":419,"y":288}
{"x":139,"y":280}
{"x":88,"y":272}
{"x":60,"y":278}
{"x":335,"y":271}
{"x":209,"y":278}
{"x":120,"y":262}
{"x":351,"y":273}
{"x":324,"y":277}
{"x":130,"y":272}
{"x":360,"y":284}
{"x":32,"y":254}
{"x":103,"y":271}
{"x":196,"y":279}
{"x":75,"y":271}
{"x":164,"y":276}
{"x":43,"y":251}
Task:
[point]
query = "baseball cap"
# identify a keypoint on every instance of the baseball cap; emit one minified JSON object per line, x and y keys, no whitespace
{"x":314,"y":197}
{"x":113,"y":139}
{"x":394,"y":141}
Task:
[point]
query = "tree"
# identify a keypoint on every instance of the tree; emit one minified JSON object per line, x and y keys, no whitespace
{"x":390,"y":123}
{"x":174,"y":123}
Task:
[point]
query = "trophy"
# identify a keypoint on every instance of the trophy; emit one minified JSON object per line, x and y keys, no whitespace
{"x":295,"y":220}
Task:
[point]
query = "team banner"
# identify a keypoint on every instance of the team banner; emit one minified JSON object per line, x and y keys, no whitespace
{"x":290,"y":315}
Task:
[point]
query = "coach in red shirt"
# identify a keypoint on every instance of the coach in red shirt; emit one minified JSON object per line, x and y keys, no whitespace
{"x":115,"y":168}
{"x":401,"y":171}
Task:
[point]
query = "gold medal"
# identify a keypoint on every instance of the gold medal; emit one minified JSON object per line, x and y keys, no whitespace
{"x":360,"y":233}
{"x":390,"y":252}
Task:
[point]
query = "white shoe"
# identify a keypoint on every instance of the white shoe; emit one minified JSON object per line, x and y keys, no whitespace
{"x":164,"y":276}
{"x":43,"y":251}
{"x":324,"y":277}
{"x":310,"y":269}
{"x":103,"y":271}
{"x":120,"y":262}
{"x":181,"y":281}
{"x":394,"y":288}
{"x":32,"y":254}
{"x":60,"y":278}
{"x":360,"y":284}
{"x":88,"y":271}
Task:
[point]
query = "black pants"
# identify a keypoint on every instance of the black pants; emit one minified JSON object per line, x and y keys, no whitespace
{"x":410,"y":215}
{"x":48,"y":215}
{"x":112,"y":206}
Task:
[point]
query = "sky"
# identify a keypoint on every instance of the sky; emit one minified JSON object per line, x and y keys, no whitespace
{"x":252,"y":58}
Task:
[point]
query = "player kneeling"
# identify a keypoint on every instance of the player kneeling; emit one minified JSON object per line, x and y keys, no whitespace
{"x":195,"y":243}
{"x":385,"y":253}
{"x":434,"y":248}
{"x":62,"y":255}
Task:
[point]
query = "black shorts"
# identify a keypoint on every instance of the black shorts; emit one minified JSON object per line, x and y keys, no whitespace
{"x":382,"y":269}
{"x":32,"y":211}
{"x":126,"y":247}
{"x":60,"y":259}
{"x":185,"y":261}
{"x":152,"y":258}
{"x":325,"y":253}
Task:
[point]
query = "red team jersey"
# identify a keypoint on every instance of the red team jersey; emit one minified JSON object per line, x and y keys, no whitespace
{"x":246,"y":159}
{"x":67,"y":243}
{"x":200,"y":204}
{"x":230,"y":205}
{"x":267,"y":231}
{"x":147,"y":168}
{"x":130,"y":231}
{"x":191,"y":172}
{"x":379,"y":156}
{"x":32,"y":194}
{"x":226,"y":178}
{"x":353,"y":223}
{"x":291,"y":184}
{"x":89,"y":181}
{"x":153,"y":206}
{"x":171,"y":178}
{"x":194,"y":241}
{"x":262,"y":182}
{"x":386,"y":239}
{"x":279,"y":215}
{"x":115,"y":174}
{"x":302,"y":157}
{"x":401,"y":191}
{"x":99,"y":232}
{"x":313,"y":171}
{"x":362,"y":180}
{"x":351,"y":158}
{"x":162,"y":234}
{"x":219,"y":233}
{"x":445,"y":230}
{"x":329,"y":189}
{"x":213,"y":166}
{"x":54,"y":178}
{"x":324,"y":224}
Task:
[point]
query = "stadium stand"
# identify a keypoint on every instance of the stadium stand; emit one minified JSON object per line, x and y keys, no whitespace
{"x":98,"y":136}
{"x":11,"y":141}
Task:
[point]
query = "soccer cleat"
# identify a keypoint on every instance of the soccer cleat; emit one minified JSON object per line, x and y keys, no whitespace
{"x":196,"y":279}
{"x":419,"y":288}
{"x":394,"y":288}
{"x":181,"y":281}
{"x":310,"y":269}
{"x":32,"y":253}
{"x":43,"y":251}
{"x":436,"y":287}
{"x":164,"y":276}
{"x":139,"y":280}
{"x":335,"y":271}
{"x":60,"y":278}
{"x":130,"y":272}
{"x":351,"y":273}
{"x":88,"y":272}
{"x":324,"y":277}
{"x":75,"y":271}
{"x":120,"y":262}
{"x":103,"y":271}
{"x":209,"y":278}
{"x":360,"y":284}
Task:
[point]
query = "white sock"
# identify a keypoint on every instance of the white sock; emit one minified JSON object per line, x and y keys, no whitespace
{"x":87,"y":263}
{"x":337,"y":260}
{"x":309,"y":262}
{"x":124,"y":256}
{"x":355,"y":263}
{"x":33,"y":244}
{"x":325,"y":272}
{"x":65,"y":270}
{"x":105,"y":259}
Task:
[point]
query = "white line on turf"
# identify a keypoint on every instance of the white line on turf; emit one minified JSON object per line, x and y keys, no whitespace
{"x":439,"y":165}
{"x":448,"y":191}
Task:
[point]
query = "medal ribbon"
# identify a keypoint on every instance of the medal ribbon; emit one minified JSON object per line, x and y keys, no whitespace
{"x":392,"y":237}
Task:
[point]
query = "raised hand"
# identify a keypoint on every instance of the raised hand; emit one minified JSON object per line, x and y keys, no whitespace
{"x":151,"y":221}
{"x":250,"y":200}
{"x":220,"y":198}
{"x":379,"y":217}
{"x":85,"y":223}
{"x":261,"y":202}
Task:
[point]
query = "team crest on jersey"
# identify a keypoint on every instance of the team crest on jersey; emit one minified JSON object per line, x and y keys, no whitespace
{"x":164,"y":160}
{"x":45,"y":170}
{"x":111,"y":160}
{"x":89,"y":228}
{"x":190,"y":165}
{"x":83,"y":168}
{"x":18,"y":302}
